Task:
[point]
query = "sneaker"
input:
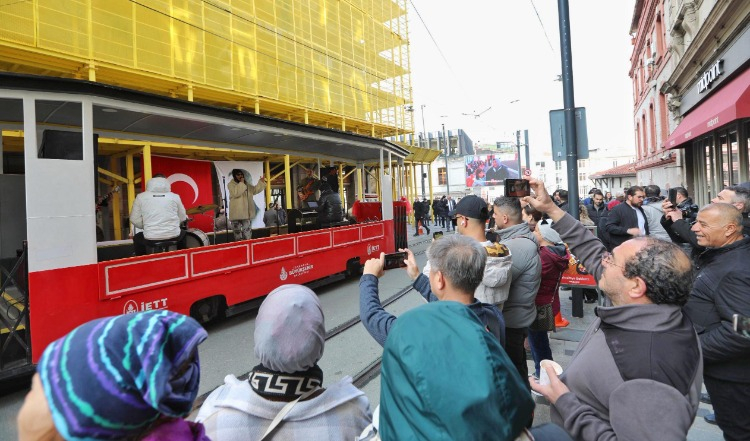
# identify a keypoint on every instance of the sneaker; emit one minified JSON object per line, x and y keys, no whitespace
{"x":710,"y":418}
{"x":706,"y":398}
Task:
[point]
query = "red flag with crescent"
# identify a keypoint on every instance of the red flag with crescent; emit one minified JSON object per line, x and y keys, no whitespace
{"x":191,"y":180}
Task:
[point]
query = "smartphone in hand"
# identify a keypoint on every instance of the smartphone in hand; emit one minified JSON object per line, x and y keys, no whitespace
{"x":673,"y":197}
{"x":395,"y":260}
{"x":517,"y":188}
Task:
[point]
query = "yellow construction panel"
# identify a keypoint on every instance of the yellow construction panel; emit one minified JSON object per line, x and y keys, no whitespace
{"x":345,"y":60}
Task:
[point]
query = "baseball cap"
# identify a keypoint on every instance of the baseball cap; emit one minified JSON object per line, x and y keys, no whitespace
{"x":471,"y":206}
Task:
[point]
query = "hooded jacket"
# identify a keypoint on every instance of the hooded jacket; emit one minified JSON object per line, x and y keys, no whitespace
{"x":158,"y":211}
{"x":241,"y":204}
{"x":519,"y":310}
{"x":444,"y":377}
{"x":495,"y":286}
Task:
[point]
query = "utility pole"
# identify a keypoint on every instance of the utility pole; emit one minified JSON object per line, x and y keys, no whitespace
{"x":447,"y":174}
{"x":518,"y":150}
{"x":424,"y":135}
{"x":526,"y":144}
{"x":569,"y":106}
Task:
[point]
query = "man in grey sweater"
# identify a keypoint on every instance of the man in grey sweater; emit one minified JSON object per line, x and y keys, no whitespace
{"x":519,"y":310}
{"x":637,"y":371}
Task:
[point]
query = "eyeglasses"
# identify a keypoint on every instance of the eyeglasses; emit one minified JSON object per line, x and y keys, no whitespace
{"x":608,"y":259}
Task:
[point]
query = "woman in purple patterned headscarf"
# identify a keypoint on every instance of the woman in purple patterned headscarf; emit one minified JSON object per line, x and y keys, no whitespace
{"x":126,"y":377}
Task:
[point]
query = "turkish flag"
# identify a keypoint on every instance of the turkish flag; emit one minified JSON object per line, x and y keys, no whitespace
{"x":191,"y":180}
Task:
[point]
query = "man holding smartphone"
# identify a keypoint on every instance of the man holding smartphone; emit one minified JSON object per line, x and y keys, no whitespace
{"x":457,"y":270}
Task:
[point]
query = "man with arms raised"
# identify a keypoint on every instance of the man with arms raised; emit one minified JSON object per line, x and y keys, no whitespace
{"x":636,"y":373}
{"x":519,"y":310}
{"x":458,"y":266}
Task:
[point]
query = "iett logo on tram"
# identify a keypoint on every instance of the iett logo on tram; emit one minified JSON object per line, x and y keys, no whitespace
{"x":131,"y":306}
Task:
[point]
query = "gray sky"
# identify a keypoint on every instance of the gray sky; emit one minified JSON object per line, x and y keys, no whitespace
{"x":497,"y":53}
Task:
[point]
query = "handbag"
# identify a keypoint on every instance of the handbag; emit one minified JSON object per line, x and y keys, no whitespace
{"x":545,"y":319}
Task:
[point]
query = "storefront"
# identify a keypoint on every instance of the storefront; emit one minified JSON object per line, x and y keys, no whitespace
{"x":715,"y":130}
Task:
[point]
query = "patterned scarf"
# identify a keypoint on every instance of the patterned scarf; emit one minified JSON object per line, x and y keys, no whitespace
{"x":112,"y":378}
{"x":272,"y":384}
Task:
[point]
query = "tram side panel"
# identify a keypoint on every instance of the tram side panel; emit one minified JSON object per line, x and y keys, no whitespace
{"x":64,"y":298}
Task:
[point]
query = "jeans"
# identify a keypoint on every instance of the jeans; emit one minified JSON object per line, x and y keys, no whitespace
{"x":730,"y":401}
{"x":540,"y":350}
{"x":514,"y":348}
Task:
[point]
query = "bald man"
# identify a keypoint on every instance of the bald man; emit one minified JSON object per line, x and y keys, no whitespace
{"x":721,"y":289}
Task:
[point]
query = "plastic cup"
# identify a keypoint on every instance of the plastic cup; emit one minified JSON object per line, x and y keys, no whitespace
{"x":543,"y":377}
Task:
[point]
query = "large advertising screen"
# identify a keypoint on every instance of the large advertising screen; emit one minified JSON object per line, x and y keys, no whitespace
{"x":490,"y":170}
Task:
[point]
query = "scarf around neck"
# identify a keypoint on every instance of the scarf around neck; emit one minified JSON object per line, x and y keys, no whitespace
{"x":272,"y":384}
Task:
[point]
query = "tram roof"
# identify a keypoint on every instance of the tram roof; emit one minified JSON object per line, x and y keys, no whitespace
{"x":120,"y":113}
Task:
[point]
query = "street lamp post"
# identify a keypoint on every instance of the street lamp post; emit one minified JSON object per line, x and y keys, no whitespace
{"x":424,"y":135}
{"x":447,"y":174}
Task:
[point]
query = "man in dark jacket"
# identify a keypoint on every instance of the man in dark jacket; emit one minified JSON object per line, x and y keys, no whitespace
{"x":639,"y":361}
{"x":721,"y":290}
{"x":329,"y":206}
{"x":597,"y":208}
{"x":679,"y":230}
{"x":627,"y":220}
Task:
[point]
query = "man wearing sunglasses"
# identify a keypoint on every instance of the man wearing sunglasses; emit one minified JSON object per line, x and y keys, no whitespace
{"x":637,"y":371}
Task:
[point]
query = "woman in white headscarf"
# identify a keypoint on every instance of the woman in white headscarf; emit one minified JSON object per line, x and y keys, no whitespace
{"x":287,"y":384}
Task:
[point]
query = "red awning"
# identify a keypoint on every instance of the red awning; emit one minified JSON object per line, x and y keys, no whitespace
{"x":728,"y":104}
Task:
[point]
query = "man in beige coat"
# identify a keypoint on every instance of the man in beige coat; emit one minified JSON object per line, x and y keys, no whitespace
{"x":241,"y":205}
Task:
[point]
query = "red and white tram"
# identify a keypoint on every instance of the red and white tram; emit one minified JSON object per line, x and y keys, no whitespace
{"x":58,"y":282}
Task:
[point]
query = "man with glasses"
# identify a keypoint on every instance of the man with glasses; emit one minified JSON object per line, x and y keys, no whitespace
{"x":636,"y":373}
{"x":526,"y":271}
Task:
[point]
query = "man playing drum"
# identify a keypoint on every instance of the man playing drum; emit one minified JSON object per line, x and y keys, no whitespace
{"x":158,"y":212}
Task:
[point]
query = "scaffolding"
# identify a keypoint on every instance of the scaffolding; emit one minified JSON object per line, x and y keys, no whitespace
{"x":340,"y":64}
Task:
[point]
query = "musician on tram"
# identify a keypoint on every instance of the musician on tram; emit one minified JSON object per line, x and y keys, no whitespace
{"x":158,"y":212}
{"x":329,"y":206}
{"x":241,"y":205}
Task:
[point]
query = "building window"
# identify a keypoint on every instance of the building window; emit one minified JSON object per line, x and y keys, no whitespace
{"x":540,"y":165}
{"x":581,"y":176}
{"x":614,"y":163}
{"x":558,"y":165}
{"x":442,"y":176}
{"x":581,"y":163}
{"x":652,"y":127}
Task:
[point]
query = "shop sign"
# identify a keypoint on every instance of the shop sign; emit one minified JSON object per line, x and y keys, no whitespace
{"x":709,"y":76}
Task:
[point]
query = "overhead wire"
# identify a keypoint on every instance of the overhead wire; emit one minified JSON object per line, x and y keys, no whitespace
{"x":542,"y":25}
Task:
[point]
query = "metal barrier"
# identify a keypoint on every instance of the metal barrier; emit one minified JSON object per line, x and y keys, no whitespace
{"x":15,"y":342}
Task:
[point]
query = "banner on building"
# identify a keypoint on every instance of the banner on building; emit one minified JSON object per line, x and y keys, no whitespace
{"x":191,"y":180}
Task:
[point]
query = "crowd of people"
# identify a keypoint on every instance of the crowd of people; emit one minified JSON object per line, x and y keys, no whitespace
{"x":456,"y":367}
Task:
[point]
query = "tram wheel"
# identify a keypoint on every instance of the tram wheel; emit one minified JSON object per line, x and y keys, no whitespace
{"x":353,"y":267}
{"x":209,"y":309}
